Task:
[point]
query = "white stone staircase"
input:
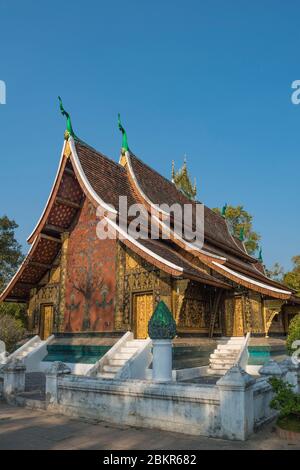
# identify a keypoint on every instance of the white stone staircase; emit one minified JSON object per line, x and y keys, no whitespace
{"x":226,"y":355}
{"x":31,"y":353}
{"x":120,"y":358}
{"x":128,"y":358}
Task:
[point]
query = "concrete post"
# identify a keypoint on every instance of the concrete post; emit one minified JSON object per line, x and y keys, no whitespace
{"x":3,"y":353}
{"x":56,"y":370}
{"x":236,"y":404}
{"x":162,"y":360}
{"x":272,"y":369}
{"x":291,"y":371}
{"x":13,"y":377}
{"x":162,"y":329}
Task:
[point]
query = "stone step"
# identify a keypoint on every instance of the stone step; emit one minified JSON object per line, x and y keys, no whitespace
{"x":124,"y":356}
{"x":233,"y":344}
{"x":222,"y":362}
{"x":228,"y":347}
{"x":232,"y":338}
{"x":105,"y":375}
{"x":219,"y":367}
{"x":221,"y":355}
{"x":225,"y":352}
{"x":135,"y":343}
{"x":117,"y":362}
{"x":112,"y":369}
{"x":128,"y":350}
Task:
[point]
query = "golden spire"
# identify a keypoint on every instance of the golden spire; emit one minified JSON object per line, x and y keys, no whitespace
{"x":182,"y":180}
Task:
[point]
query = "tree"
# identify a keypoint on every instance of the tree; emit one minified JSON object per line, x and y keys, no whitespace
{"x":10,"y":250}
{"x":293,"y":333}
{"x":239,"y":220}
{"x":276,"y":272}
{"x":10,"y":258}
{"x":292,"y":278}
{"x":11,"y":331}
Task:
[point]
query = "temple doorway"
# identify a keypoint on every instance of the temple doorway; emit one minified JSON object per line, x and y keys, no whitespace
{"x":143,"y":309}
{"x":46,"y":325}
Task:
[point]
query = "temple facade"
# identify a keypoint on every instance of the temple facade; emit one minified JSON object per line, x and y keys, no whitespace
{"x":72,"y":281}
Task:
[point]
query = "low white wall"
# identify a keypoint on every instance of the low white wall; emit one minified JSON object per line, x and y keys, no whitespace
{"x":189,"y":409}
{"x":77,"y":368}
{"x":262,"y":395}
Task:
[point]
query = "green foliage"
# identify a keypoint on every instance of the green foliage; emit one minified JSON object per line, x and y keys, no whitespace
{"x":18,"y":311}
{"x":292,"y":278}
{"x":239,"y":219}
{"x":10,"y":250}
{"x":293,"y":333}
{"x":10,"y":258}
{"x":290,"y":423}
{"x":285,"y":400}
{"x":11,"y":331}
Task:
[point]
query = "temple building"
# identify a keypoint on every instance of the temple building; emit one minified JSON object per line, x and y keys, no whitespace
{"x":73,"y":282}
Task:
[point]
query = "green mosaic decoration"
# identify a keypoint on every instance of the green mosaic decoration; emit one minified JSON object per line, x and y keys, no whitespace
{"x":260,"y":257}
{"x":125,"y":147}
{"x":69,"y":131}
{"x":224,"y":210}
{"x":162,"y":324}
{"x":242,"y":234}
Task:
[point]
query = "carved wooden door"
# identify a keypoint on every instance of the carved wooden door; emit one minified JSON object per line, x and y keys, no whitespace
{"x":238,"y":326}
{"x":46,"y":321}
{"x":143,"y":309}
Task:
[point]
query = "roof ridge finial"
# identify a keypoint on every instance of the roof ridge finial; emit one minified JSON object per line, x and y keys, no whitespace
{"x":125,"y":147}
{"x":260,"y":256}
{"x":69,"y":131}
{"x":224,"y":208}
{"x":242,"y":234}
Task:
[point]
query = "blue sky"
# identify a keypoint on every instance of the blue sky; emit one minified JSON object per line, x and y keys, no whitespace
{"x":211,"y":79}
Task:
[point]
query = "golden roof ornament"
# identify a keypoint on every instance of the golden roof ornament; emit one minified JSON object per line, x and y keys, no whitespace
{"x":182,"y":180}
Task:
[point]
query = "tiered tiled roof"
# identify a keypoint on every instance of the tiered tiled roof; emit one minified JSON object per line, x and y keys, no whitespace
{"x":84,"y":171}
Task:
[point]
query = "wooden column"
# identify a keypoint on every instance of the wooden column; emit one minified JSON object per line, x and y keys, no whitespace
{"x":63,"y":273}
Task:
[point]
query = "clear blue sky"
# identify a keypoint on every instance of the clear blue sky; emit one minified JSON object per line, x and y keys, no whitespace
{"x":211,"y":79}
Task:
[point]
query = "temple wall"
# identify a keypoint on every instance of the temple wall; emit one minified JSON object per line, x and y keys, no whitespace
{"x":196,"y":309}
{"x":90,"y":278}
{"x":190,"y":302}
{"x":134,"y":275}
{"x":47,"y":292}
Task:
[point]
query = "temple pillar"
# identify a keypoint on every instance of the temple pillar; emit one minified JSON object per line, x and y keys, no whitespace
{"x":62,"y":287}
{"x":121,"y":318}
{"x":234,"y":316}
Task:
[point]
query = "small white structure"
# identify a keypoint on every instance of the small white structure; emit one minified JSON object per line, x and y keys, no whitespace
{"x":162,"y":360}
{"x":13,"y":377}
{"x":236,"y":404}
{"x":162,"y":329}
{"x":55,"y":370}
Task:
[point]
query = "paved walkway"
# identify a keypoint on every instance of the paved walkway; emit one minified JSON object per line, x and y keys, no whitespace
{"x":22,"y":428}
